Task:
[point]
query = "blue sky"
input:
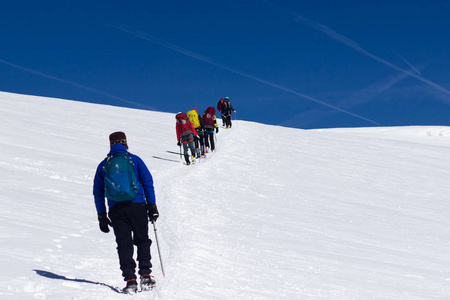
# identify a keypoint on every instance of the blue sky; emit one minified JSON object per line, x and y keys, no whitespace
{"x":305,"y":64}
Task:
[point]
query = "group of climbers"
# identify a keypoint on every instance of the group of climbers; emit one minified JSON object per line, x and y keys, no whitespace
{"x":196,"y":132}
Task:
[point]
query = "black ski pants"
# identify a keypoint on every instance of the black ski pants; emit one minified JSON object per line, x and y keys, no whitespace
{"x":227,"y":118}
{"x":201,"y":140}
{"x":228,"y":121}
{"x":209,"y":138}
{"x":130,"y":224}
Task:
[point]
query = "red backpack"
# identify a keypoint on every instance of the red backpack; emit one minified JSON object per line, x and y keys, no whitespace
{"x":183,"y":123}
{"x":208,"y":117}
{"x":219,"y":105}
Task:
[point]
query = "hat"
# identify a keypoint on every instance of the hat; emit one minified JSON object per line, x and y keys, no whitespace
{"x":118,"y":137}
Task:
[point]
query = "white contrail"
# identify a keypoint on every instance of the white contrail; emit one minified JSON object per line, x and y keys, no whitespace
{"x":71,"y":83}
{"x":409,"y":64}
{"x":197,"y":56}
{"x":346,"y":41}
{"x":348,"y":100}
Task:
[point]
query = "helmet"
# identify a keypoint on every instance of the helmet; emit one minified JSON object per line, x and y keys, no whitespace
{"x":226,"y":98}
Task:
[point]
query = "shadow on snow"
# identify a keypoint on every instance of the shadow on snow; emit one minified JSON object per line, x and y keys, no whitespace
{"x":166,"y":159}
{"x":60,"y":277}
{"x":173,"y":152}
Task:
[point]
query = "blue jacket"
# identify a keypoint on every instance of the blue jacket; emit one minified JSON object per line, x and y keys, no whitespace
{"x":146,"y":191}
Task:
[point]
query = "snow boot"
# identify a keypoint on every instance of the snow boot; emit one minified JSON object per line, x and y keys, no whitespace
{"x":147,"y":282}
{"x":186,"y":158}
{"x":131,"y":287}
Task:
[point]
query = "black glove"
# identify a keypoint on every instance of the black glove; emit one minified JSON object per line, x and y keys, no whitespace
{"x":217,"y":129}
{"x":104,"y":222}
{"x":178,"y":144}
{"x":153,"y":213}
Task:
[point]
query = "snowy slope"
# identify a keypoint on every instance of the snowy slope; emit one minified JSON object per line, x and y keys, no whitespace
{"x":275,"y":213}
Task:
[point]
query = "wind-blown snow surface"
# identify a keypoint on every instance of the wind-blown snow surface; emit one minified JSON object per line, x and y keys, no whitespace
{"x":275,"y":213}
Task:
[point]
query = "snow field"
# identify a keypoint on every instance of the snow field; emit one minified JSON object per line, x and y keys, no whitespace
{"x":274,"y":213}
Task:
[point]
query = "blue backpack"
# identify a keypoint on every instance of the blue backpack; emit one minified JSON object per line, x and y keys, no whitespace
{"x":121,"y":182}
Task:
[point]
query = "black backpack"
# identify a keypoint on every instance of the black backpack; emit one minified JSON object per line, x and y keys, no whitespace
{"x":226,"y":107}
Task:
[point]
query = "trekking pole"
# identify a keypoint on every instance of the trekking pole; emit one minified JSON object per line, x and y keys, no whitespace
{"x":159,"y":252}
{"x":180,"y":151}
{"x":235,"y":117}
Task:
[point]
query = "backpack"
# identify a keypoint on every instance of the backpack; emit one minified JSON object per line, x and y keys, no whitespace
{"x":121,"y":182}
{"x":193,"y":117}
{"x":183,"y":124}
{"x":226,"y":106}
{"x":208,"y":117}
{"x":219,"y":105}
{"x":180,"y":118}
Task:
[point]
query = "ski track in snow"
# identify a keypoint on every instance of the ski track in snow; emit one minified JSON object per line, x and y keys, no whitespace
{"x":274,"y":213}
